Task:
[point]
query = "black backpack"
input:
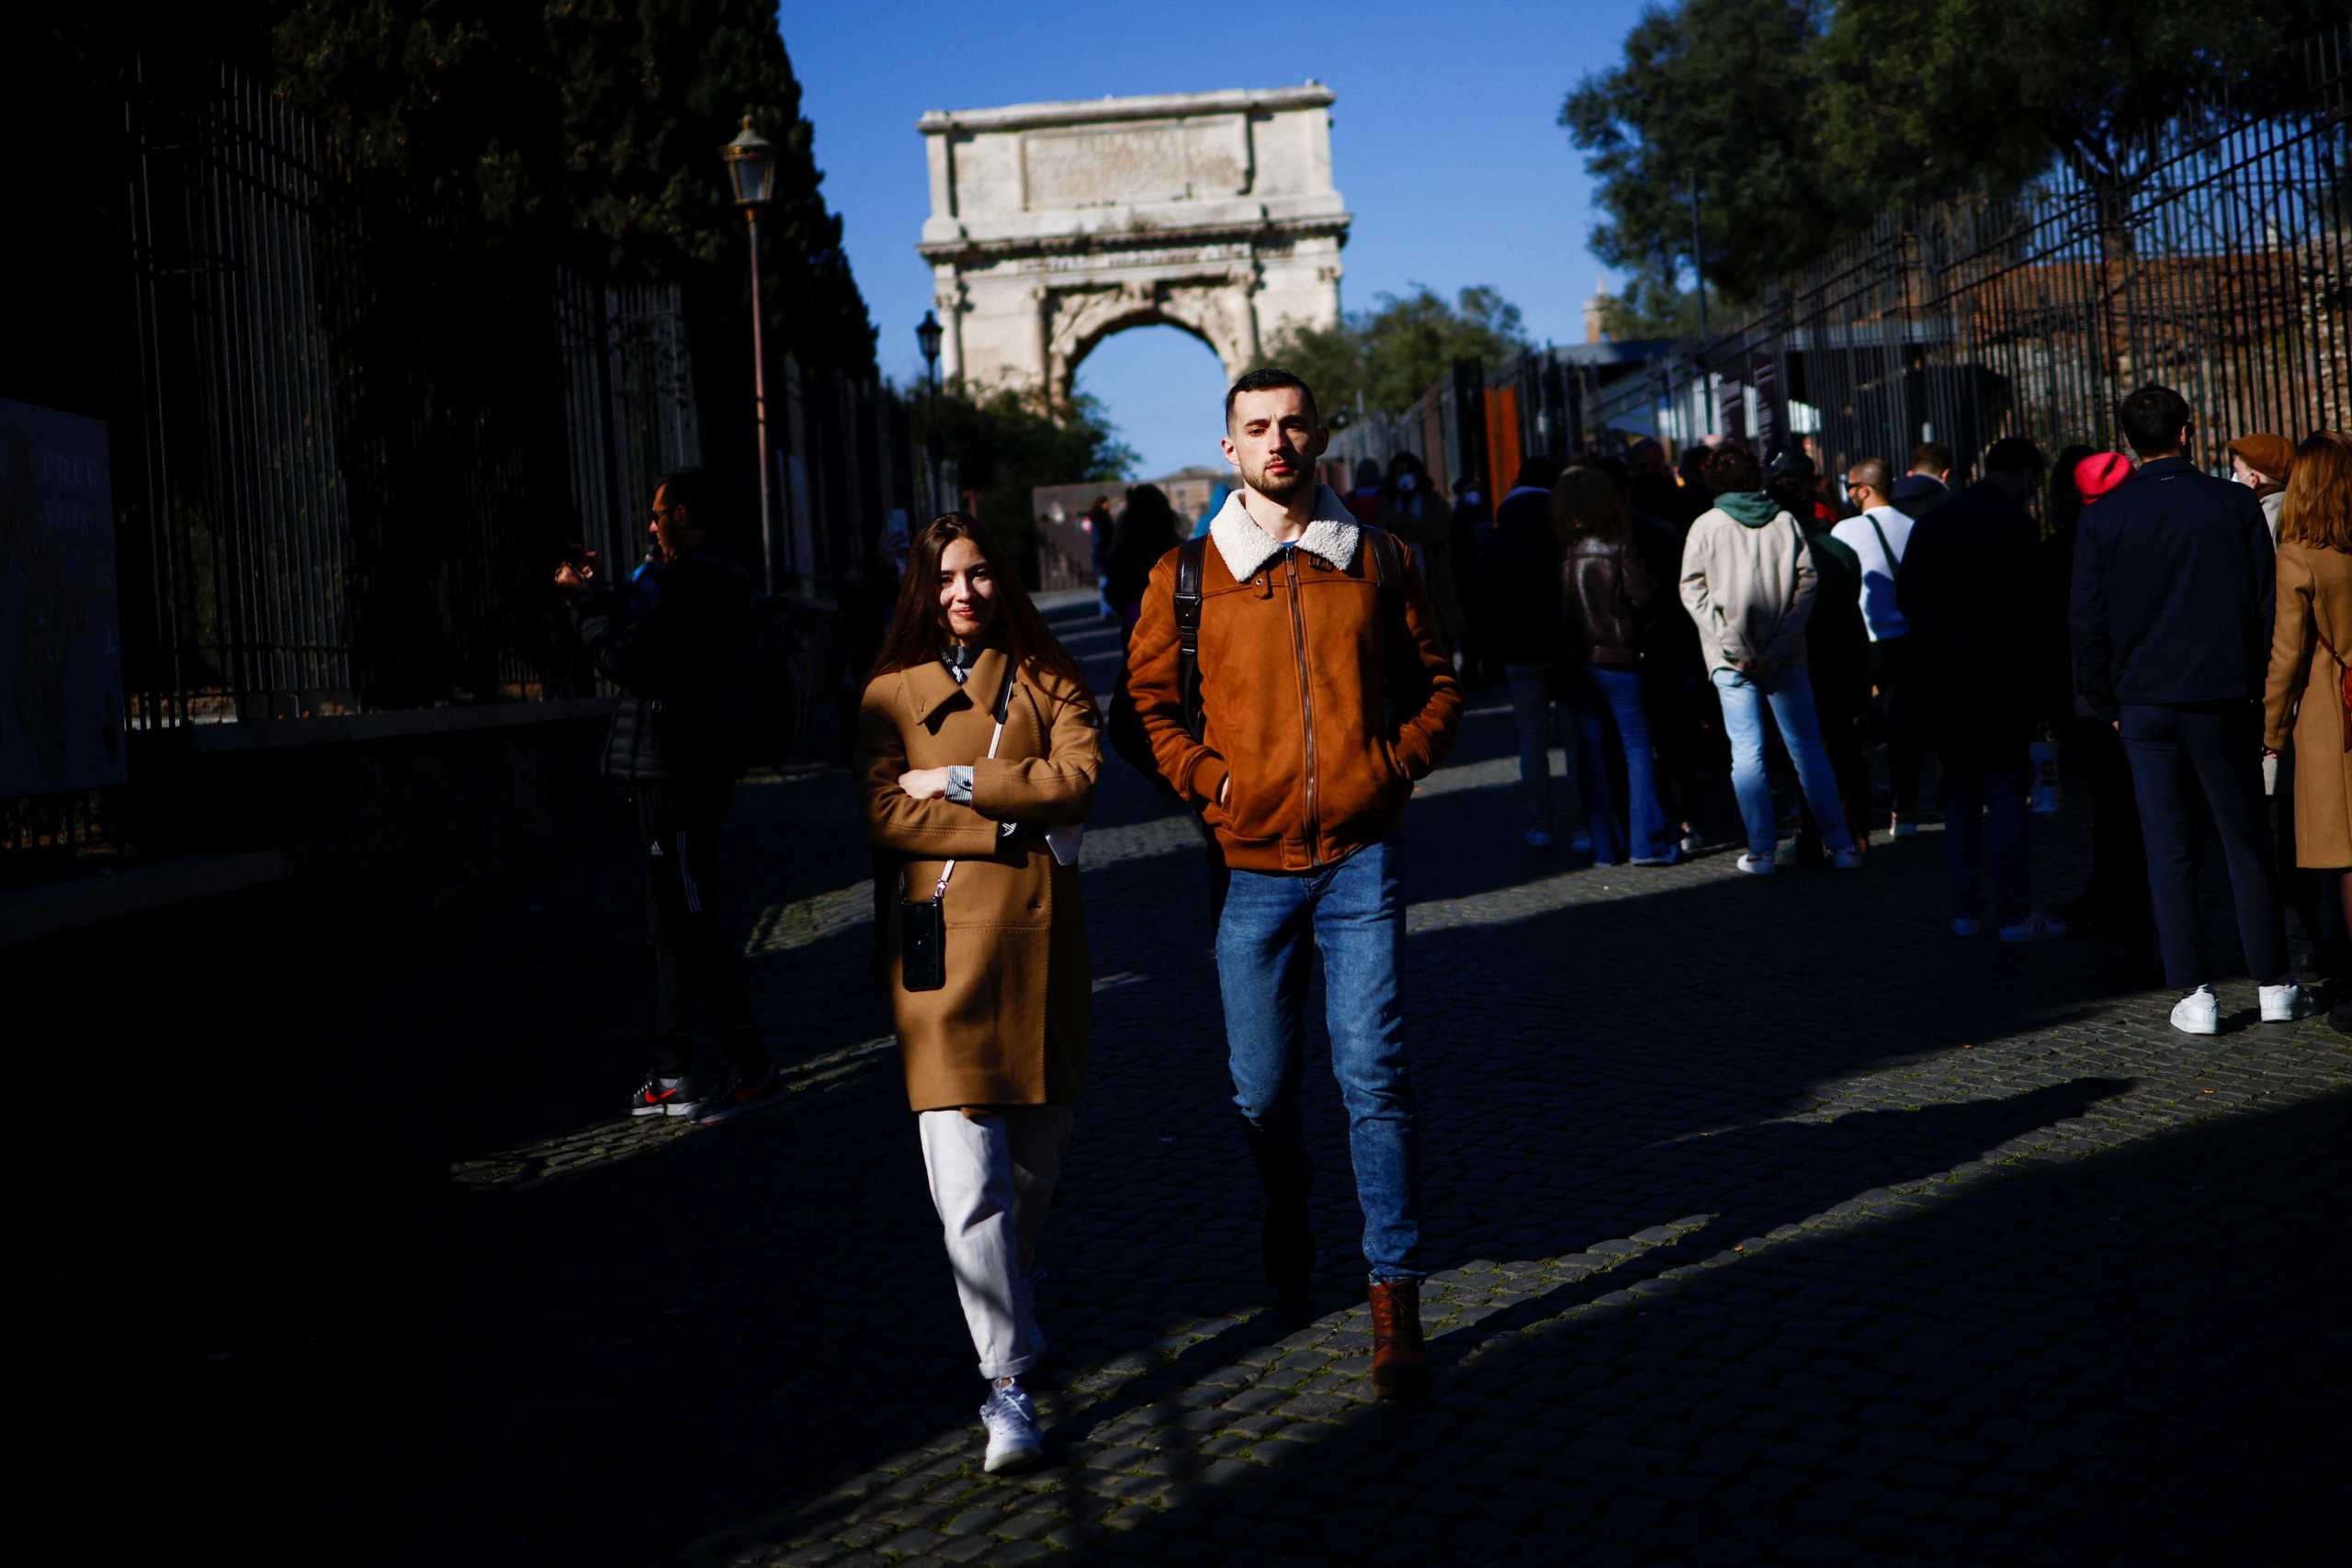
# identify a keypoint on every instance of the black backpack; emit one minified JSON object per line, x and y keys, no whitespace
{"x":1124,"y":725}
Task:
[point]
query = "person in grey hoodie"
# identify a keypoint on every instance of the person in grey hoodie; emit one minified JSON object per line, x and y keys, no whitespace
{"x":1748,"y":581}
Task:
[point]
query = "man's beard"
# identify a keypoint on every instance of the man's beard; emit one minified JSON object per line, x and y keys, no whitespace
{"x":1282,"y":488}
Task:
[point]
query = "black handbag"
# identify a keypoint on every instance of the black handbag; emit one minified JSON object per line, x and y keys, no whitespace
{"x":923,"y":923}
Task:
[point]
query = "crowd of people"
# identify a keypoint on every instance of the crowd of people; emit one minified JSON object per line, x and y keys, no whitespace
{"x":1294,"y":663}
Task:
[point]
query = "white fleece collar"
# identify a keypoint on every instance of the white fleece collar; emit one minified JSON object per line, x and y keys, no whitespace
{"x":1331,"y":536}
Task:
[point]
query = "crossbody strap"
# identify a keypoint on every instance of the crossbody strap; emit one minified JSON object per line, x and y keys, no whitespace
{"x":1893,"y":561}
{"x":1191,"y":559}
{"x":1004,"y":704}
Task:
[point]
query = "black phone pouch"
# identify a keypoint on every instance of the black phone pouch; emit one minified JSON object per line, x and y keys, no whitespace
{"x":923,"y":944}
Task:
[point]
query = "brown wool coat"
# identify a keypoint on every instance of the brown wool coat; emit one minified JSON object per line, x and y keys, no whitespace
{"x":1010,"y":1026}
{"x":2303,"y":700}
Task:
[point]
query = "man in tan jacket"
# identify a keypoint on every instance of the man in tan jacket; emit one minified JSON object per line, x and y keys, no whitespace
{"x":1323,"y":692}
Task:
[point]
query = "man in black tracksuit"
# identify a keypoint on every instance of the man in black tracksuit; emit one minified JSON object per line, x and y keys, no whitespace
{"x":677,"y":636}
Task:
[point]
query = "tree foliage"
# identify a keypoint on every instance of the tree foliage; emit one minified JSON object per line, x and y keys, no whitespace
{"x":590,"y":125}
{"x":1799,"y":120}
{"x":1006,"y":444}
{"x":1383,"y":359}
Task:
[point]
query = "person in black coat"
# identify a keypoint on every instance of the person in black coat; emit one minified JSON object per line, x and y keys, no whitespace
{"x":1520,"y":578}
{"x":676,"y":638}
{"x":2171,"y":614}
{"x":1968,"y":578}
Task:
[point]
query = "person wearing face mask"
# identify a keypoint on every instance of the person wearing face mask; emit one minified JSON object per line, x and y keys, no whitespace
{"x":1413,"y":511}
{"x":978,"y":754}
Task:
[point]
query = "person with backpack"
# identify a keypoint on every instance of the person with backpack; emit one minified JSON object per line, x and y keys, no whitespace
{"x":677,"y":637}
{"x":978,"y":755}
{"x":1878,"y":534}
{"x":1288,"y":674}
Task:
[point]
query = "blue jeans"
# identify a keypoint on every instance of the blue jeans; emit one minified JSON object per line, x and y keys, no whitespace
{"x":1531,"y":713}
{"x":1354,"y":911}
{"x":1790,"y":693}
{"x":1610,"y":716}
{"x":1984,"y":826}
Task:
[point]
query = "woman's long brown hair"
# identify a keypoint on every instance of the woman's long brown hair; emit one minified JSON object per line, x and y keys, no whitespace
{"x":917,"y":631}
{"x":2318,"y":508}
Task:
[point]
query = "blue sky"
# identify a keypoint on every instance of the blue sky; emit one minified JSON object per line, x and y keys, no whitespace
{"x":1443,"y":146}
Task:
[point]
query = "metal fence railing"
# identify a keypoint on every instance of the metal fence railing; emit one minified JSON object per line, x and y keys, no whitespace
{"x":2224,"y":272}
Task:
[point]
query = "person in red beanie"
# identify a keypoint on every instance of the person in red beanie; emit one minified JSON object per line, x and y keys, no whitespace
{"x":2100,"y":472}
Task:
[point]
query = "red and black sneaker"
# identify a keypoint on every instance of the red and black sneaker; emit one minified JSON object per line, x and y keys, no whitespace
{"x":738,"y":1095}
{"x":658,"y":1096}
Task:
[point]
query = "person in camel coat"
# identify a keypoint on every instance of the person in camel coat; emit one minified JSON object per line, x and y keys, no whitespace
{"x":978,"y":746}
{"x":2312,"y":638}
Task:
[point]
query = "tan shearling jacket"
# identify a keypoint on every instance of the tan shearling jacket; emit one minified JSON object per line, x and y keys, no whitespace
{"x":1320,"y":717}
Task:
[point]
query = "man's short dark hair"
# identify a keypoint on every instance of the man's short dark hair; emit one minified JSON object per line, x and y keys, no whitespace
{"x":1727,"y":468}
{"x":2152,"y":418}
{"x":1932,"y":457}
{"x":1538,"y":472}
{"x":1269,"y":379}
{"x":699,"y":493}
{"x":2014,"y":455}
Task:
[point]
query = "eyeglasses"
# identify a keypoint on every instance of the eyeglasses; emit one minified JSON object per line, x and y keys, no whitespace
{"x":658,"y":512}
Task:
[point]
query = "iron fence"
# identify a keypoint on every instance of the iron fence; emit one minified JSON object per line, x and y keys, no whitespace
{"x":362,"y":436}
{"x":2224,"y":272}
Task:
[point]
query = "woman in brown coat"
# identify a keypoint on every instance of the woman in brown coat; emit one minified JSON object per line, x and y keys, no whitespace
{"x":2312,"y":638}
{"x":978,"y":748}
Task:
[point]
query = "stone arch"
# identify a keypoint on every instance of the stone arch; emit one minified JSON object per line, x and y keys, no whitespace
{"x":1082,"y":320}
{"x":1055,"y":225}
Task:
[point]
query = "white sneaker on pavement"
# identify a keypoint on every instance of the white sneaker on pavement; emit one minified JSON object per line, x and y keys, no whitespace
{"x":1756,"y":865}
{"x":2281,"y":1004}
{"x":1962,"y":926}
{"x":2200,"y":1012}
{"x":2036,"y":927}
{"x":1014,"y":1441}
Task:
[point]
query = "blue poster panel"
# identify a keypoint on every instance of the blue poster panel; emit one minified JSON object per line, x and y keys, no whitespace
{"x":60,"y":630}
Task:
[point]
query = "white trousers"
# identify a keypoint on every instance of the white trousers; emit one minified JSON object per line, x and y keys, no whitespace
{"x":993,"y":1179}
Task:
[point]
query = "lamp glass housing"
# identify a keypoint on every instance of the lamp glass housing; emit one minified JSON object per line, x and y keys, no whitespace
{"x":751,"y":165}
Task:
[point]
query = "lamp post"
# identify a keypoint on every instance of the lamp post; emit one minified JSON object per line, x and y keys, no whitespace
{"x":751,"y":167}
{"x":927,"y":339}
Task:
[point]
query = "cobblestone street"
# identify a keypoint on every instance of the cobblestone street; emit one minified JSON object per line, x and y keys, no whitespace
{"x":1770,"y":1222}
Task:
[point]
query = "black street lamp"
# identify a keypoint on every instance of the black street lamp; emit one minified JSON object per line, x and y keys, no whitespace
{"x":751,"y":168}
{"x":927,"y":334}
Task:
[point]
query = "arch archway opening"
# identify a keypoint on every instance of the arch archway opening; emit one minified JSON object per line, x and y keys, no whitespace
{"x":1163,"y":387}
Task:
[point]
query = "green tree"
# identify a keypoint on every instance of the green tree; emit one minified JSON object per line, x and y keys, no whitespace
{"x":1383,"y":359}
{"x":593,"y":127}
{"x":1006,"y":444}
{"x":1790,"y":123}
{"x":1713,"y":101}
{"x":1990,"y":94}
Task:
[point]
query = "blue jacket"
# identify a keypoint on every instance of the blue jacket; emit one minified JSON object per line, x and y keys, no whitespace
{"x":2174,"y":575}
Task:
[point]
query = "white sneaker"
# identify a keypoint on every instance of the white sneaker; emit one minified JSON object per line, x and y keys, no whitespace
{"x":1014,"y":1441}
{"x":2036,"y":927}
{"x":1538,"y":838}
{"x":2200,"y":1012}
{"x":1756,"y":865}
{"x":1962,"y":927}
{"x":2281,"y":1004}
{"x":1691,"y":843}
{"x":1845,"y":860}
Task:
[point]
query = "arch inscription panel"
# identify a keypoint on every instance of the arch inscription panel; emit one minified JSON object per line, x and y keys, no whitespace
{"x":1054,"y":225}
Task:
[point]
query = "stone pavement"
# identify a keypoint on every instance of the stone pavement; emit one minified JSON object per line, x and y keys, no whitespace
{"x":1770,"y":1222}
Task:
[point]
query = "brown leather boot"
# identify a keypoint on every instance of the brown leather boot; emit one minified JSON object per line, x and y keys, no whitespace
{"x":1400,"y":1362}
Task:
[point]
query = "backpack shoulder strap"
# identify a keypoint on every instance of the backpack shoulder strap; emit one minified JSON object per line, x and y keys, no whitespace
{"x":1893,"y":561}
{"x":1191,"y":562}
